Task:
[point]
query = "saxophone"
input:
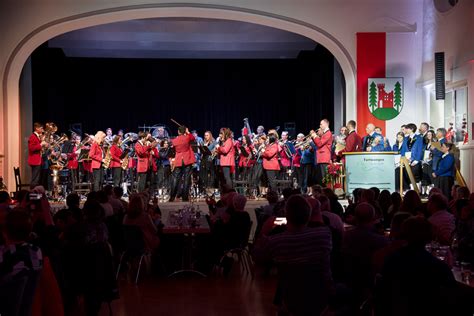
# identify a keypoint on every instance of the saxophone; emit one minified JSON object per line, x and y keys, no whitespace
{"x":125,"y":160}
{"x":107,"y":159}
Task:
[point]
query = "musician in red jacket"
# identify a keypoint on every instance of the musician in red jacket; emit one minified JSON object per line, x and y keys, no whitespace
{"x":246,"y":160}
{"x":270,"y":160}
{"x":323,"y":141}
{"x":183,"y":163}
{"x":116,"y":160}
{"x":143,"y":151}
{"x":96,"y":154}
{"x":353,"y":140}
{"x":226,"y":153}
{"x":72,"y":159}
{"x":35,"y":145}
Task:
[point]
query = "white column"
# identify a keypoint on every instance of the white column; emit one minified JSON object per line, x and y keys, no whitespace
{"x":467,"y":151}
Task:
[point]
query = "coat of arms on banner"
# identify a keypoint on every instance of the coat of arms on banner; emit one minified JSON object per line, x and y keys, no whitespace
{"x":385,"y":97}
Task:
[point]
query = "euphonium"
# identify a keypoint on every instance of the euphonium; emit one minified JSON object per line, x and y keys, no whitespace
{"x":125,"y":161}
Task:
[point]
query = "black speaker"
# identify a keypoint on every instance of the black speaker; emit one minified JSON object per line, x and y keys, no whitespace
{"x":439,"y":76}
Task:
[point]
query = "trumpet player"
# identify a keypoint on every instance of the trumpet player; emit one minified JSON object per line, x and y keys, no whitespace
{"x":183,"y":163}
{"x":72,"y":159}
{"x":226,"y":154}
{"x":96,"y":153}
{"x":270,"y":160}
{"x":143,"y":151}
{"x":286,"y":154}
{"x":116,"y":161}
{"x":36,"y":143}
{"x":323,"y":140}
{"x":306,"y":151}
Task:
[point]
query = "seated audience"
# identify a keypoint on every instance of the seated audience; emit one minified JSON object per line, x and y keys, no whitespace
{"x":272,"y":198}
{"x":137,"y":216}
{"x":302,"y":255}
{"x":334,"y":220}
{"x":73,"y":202}
{"x":443,"y":222}
{"x":336,"y":207}
{"x":413,"y":281}
{"x":358,"y":247}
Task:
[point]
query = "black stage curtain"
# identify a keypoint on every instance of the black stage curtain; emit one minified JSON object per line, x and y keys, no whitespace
{"x":202,"y":94}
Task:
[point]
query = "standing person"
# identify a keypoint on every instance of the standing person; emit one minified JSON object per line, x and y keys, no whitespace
{"x":323,"y":140}
{"x":353,"y":140}
{"x":308,"y":163}
{"x":35,"y":146}
{"x":108,"y":136}
{"x":257,"y":169}
{"x":286,"y":155}
{"x":245,"y":158}
{"x":399,"y":139}
{"x":297,"y":167}
{"x":183,"y":162}
{"x":143,"y":151}
{"x":270,"y":160}
{"x":386,"y":142}
{"x":373,"y":141}
{"x":412,"y":149}
{"x":116,"y":161}
{"x":226,"y":154}
{"x":444,"y":174}
{"x":207,"y":170}
{"x":163,"y":164}
{"x":73,"y":163}
{"x":97,"y":155}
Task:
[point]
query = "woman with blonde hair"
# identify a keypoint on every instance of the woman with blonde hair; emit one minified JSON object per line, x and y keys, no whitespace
{"x":96,"y":154}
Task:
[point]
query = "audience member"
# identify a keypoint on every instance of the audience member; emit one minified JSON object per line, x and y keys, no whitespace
{"x":136,"y":216}
{"x":443,"y":222}
{"x":413,"y":281}
{"x":336,"y":207}
{"x":358,"y":247}
{"x":334,"y":220}
{"x":272,"y":198}
{"x":302,"y":255}
{"x":73,"y":203}
{"x":412,"y":204}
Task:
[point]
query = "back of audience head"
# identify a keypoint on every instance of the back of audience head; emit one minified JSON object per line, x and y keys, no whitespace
{"x":454,"y":191}
{"x":108,"y":189}
{"x":434,"y":191}
{"x":316,"y":215}
{"x":73,"y":200}
{"x":396,"y":225}
{"x":437,"y":202}
{"x":364,"y":214}
{"x":459,"y":206}
{"x":93,"y":211}
{"x":118,"y":192}
{"x":462,"y":193}
{"x":411,"y":202}
{"x":4,"y":197}
{"x":272,"y":197}
{"x":298,"y":211}
{"x":136,"y":206}
{"x":287,"y":192}
{"x":17,"y":226}
{"x":329,"y":193}
{"x":367,"y":196}
{"x":63,"y":218}
{"x":239,"y":202}
{"x":316,"y":190}
{"x":325,"y":204}
{"x":376,"y":192}
{"x":417,"y":231}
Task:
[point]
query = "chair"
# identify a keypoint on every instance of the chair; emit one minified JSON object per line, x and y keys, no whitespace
{"x":134,"y":246}
{"x":18,"y":184}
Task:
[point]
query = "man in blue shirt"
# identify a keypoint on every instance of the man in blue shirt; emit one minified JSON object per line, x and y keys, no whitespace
{"x":372,"y":142}
{"x":444,"y":174}
{"x":308,"y":163}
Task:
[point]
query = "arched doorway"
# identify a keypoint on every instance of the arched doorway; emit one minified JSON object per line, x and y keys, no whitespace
{"x":12,"y":115}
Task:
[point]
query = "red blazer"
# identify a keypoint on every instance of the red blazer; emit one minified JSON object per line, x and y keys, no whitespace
{"x":184,"y":153}
{"x":270,"y":157}
{"x":115,"y":152}
{"x":96,"y":155}
{"x":353,"y":143}
{"x":143,"y":154}
{"x":246,"y":161}
{"x":227,"y":153}
{"x":72,"y":162}
{"x":155,"y":154}
{"x":284,"y":159}
{"x":34,"y":150}
{"x":324,"y":143}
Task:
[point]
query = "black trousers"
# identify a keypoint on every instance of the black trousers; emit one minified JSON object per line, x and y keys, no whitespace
{"x":181,"y":176}
{"x":226,"y":178}
{"x":164,"y":173}
{"x":117,"y":176}
{"x":321,"y":171}
{"x":308,"y":172}
{"x":444,"y":184}
{"x":207,"y":173}
{"x":257,"y":174}
{"x":35,"y":176}
{"x":141,"y":181}
{"x":98,"y":175}
{"x":74,"y":174}
{"x":299,"y":176}
{"x":427,"y":177}
{"x":271,"y":176}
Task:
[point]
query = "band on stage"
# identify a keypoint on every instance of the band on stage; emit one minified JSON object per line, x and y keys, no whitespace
{"x":188,"y":166}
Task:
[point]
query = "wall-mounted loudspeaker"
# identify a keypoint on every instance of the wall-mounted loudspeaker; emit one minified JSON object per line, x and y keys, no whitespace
{"x":439,"y":76}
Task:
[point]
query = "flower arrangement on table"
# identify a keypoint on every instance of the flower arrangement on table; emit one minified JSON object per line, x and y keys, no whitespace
{"x":333,"y":175}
